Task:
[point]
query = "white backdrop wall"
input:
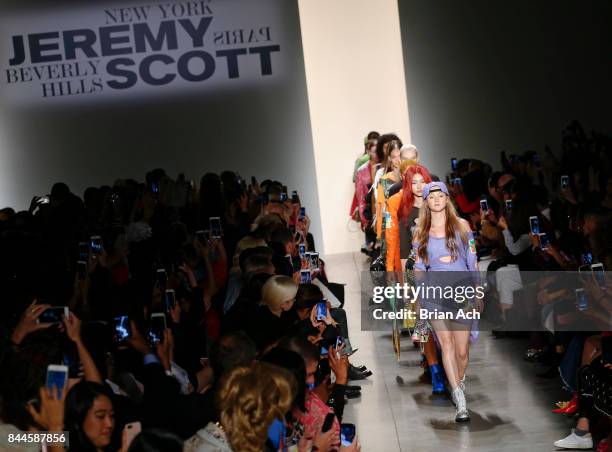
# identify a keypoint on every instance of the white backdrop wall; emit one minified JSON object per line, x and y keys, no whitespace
{"x":484,"y":76}
{"x":254,"y":124}
{"x":355,"y":77}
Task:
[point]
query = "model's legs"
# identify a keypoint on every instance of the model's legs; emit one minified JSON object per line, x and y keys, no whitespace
{"x":430,"y":351}
{"x":462,"y":351}
{"x":437,"y":376}
{"x":447,"y":344}
{"x":454,"y":350}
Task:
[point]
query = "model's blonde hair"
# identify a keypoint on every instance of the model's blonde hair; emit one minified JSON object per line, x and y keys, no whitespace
{"x":453,"y":226}
{"x":277,"y":290}
{"x":249,"y":399}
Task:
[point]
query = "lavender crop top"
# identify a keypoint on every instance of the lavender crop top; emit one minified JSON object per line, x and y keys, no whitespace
{"x":436,"y":249}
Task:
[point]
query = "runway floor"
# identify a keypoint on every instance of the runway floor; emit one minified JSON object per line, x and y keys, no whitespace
{"x":509,"y":405}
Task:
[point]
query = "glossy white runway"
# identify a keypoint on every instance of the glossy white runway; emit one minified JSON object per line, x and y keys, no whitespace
{"x":510,"y":406}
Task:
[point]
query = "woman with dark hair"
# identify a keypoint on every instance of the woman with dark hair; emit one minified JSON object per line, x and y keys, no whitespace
{"x":89,"y":417}
{"x":391,"y":176}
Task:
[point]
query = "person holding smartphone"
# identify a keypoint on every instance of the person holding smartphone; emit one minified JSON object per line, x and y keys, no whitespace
{"x":444,"y":242}
{"x":46,"y":415}
{"x":261,"y":388}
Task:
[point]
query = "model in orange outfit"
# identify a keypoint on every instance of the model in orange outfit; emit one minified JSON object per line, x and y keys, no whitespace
{"x":392,"y":232}
{"x":391,"y":165}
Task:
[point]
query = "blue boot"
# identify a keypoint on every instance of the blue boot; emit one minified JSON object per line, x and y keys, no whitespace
{"x":437,"y":379}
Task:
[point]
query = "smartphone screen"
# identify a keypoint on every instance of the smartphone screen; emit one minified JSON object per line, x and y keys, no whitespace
{"x":484,"y":205}
{"x":161,"y":277}
{"x":215,"y":227}
{"x":70,"y":359}
{"x":457,"y":181}
{"x":122,"y":329}
{"x":201,"y":236}
{"x":158,"y":326}
{"x":347,"y":434}
{"x":44,"y":200}
{"x":302,"y":213}
{"x":96,"y":244}
{"x":581,"y":300}
{"x":564,"y":181}
{"x":54,"y":314}
{"x":170,"y":300}
{"x":508,"y":205}
{"x":544,"y":242}
{"x":57,"y":375}
{"x":283,"y":197}
{"x":314,"y":260}
{"x":305,"y":277}
{"x":454,"y":164}
{"x":534,"y":225}
{"x":339,"y":342}
{"x":302,"y":250}
{"x":294,"y":197}
{"x":587,"y":258}
{"x":598,"y":269}
{"x":321,"y":310}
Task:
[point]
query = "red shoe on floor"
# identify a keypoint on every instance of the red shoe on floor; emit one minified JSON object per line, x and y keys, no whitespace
{"x":567,"y":407}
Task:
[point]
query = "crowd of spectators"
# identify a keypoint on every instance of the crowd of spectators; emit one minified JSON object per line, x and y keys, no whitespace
{"x":167,"y":315}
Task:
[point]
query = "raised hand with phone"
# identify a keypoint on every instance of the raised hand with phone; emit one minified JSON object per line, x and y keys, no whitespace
{"x":339,"y":363}
{"x":29,"y":322}
{"x":49,"y":415}
{"x":72,"y":325}
{"x":165,"y":349}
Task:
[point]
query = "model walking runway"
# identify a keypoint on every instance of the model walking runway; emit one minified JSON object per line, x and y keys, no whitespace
{"x":509,"y":406}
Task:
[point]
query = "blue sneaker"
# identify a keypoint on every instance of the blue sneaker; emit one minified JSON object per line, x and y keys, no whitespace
{"x":437,"y":379}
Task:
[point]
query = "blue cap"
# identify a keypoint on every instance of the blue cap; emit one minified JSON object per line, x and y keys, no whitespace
{"x":434,"y":186}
